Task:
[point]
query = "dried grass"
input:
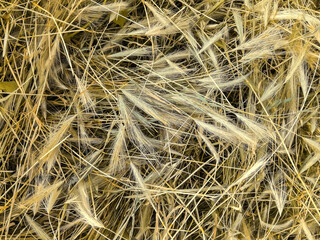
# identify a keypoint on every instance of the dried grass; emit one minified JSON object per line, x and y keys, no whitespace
{"x":159,"y":119}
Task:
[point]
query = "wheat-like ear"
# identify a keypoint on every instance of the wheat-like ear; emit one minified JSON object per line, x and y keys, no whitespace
{"x":277,"y":227}
{"x":53,"y":197}
{"x":253,"y":170}
{"x":306,"y":230}
{"x":51,"y":148}
{"x":278,"y":189}
{"x":37,"y":228}
{"x":133,"y":129}
{"x":40,"y":193}
{"x":117,"y":159}
{"x":82,"y":206}
{"x":215,"y":38}
{"x":309,"y":162}
{"x":217,"y":131}
{"x":158,"y":15}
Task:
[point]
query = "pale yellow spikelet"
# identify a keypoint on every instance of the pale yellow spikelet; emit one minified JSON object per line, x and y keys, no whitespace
{"x":239,"y":24}
{"x":140,"y":182}
{"x":294,"y":14}
{"x":37,"y":228}
{"x":303,"y":78}
{"x":169,"y":72}
{"x":5,"y":41}
{"x":144,"y":106}
{"x":94,"y":12}
{"x":117,"y":161}
{"x":107,"y":7}
{"x":132,"y":52}
{"x":297,"y":61}
{"x":315,"y":145}
{"x":133,"y":130}
{"x":51,"y":149}
{"x":210,"y":146}
{"x":236,"y":131}
{"x":53,"y":197}
{"x":83,"y":206}
{"x":270,"y":39}
{"x":84,"y":94}
{"x":179,"y":55}
{"x":259,"y":130}
{"x":277,"y":227}
{"x":257,"y":54}
{"x":217,"y":131}
{"x":271,"y":90}
{"x":159,"y":16}
{"x":277,"y":187}
{"x":306,"y":230}
{"x":213,"y":82}
{"x":215,"y":38}
{"x":253,"y":170}
{"x":309,"y":162}
{"x":39,"y":195}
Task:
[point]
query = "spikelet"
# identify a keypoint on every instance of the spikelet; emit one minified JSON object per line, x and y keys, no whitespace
{"x":52,"y":199}
{"x":252,"y":171}
{"x":82,"y":206}
{"x":217,"y":131}
{"x":159,"y":16}
{"x":117,"y":161}
{"x":278,"y":189}
{"x":259,"y":130}
{"x":309,"y":162}
{"x":144,"y":51}
{"x":239,"y":24}
{"x":40,"y":194}
{"x":144,"y":106}
{"x":315,"y":145}
{"x":306,"y":230}
{"x":37,"y":228}
{"x":277,"y":227}
{"x":140,"y":182}
{"x":133,"y":130}
{"x":215,"y":38}
{"x":50,"y":151}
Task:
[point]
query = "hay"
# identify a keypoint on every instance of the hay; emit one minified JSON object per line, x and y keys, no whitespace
{"x":159,"y":119}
